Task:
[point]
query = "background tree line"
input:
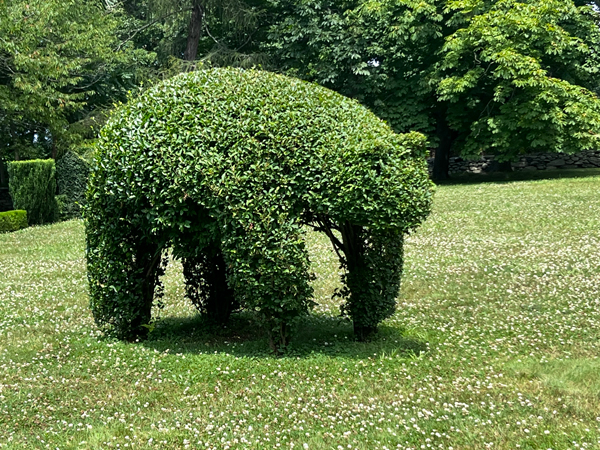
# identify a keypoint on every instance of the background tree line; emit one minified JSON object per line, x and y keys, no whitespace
{"x":494,"y":76}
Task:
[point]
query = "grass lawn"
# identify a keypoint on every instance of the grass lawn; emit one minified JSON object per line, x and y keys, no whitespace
{"x":495,"y":344}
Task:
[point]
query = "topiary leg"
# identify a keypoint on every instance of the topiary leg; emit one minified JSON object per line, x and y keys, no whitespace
{"x":148,"y":258}
{"x":373,"y":263}
{"x":123,"y":271}
{"x":269,"y":271}
{"x":207,"y":285}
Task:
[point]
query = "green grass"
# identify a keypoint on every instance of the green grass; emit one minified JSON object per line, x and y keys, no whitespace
{"x":495,"y":344}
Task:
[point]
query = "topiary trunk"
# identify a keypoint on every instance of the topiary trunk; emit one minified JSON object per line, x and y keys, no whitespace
{"x":206,"y":286}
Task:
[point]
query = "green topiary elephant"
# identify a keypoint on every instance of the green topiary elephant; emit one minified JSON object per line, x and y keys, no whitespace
{"x":228,"y":168}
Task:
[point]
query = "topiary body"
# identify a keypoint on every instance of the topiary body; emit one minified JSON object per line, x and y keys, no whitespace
{"x":227,"y":167}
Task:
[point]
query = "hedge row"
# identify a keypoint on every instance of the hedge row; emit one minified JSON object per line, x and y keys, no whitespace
{"x":72,"y":173}
{"x":32,"y":186}
{"x":13,"y":221}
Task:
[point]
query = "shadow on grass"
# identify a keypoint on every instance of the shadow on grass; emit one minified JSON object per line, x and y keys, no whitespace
{"x":314,"y":335}
{"x":508,"y":177}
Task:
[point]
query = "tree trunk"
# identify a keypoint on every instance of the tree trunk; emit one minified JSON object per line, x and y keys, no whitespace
{"x":354,"y":251}
{"x":149,"y":259}
{"x":441,"y":162}
{"x":194,"y":32}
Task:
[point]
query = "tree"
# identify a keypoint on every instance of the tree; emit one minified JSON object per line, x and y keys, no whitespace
{"x":60,"y":62}
{"x":223,"y":33}
{"x":494,"y":76}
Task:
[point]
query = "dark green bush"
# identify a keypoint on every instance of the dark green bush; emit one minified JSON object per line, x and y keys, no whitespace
{"x":13,"y":220}
{"x":63,"y":206}
{"x":72,"y":174}
{"x":228,"y":168}
{"x":32,"y":186}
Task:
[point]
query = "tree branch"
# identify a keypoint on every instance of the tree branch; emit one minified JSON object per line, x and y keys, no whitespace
{"x":148,"y":25}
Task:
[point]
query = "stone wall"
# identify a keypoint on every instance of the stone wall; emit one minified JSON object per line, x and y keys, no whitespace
{"x":533,"y":161}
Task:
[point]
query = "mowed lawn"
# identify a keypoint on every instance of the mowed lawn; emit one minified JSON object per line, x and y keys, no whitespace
{"x":495,"y":344}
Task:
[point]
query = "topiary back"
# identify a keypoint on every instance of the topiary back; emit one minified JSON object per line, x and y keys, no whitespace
{"x":32,"y":186}
{"x":228,"y":167}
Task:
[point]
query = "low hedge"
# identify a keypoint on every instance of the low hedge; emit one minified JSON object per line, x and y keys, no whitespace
{"x":13,"y":221}
{"x":32,"y":186}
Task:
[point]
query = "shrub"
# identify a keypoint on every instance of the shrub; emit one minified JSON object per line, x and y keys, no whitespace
{"x":228,"y":167}
{"x":13,"y":221}
{"x":32,"y":186}
{"x":63,"y":206}
{"x":72,"y":174}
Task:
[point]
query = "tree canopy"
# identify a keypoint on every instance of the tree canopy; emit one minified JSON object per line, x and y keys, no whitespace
{"x":224,"y":32}
{"x":64,"y":64}
{"x":60,"y":61}
{"x":477,"y":76}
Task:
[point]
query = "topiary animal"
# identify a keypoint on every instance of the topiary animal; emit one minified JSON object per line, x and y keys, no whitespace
{"x":227,"y":168}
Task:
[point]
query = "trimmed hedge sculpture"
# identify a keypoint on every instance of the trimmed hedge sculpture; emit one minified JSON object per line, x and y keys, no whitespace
{"x":228,"y":168}
{"x":32,"y":186}
{"x":13,"y":221}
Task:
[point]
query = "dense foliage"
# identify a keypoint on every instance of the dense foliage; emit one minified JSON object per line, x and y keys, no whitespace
{"x":181,"y":32}
{"x":13,"y":220}
{"x":72,"y":172}
{"x":500,"y":77}
{"x":227,"y":167}
{"x":61,"y":64}
{"x":32,"y":186}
